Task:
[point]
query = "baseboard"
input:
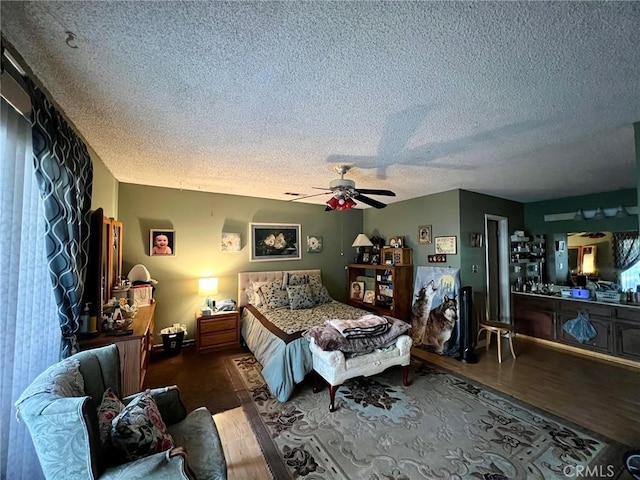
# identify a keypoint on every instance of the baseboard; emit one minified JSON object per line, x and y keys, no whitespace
{"x":580,"y":351}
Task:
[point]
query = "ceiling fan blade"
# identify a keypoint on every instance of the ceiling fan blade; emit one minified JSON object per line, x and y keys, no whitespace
{"x":322,"y":188}
{"x":307,"y":196}
{"x":369,"y":201}
{"x":370,"y":191}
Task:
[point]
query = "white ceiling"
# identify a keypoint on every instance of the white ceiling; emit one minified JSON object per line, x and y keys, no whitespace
{"x":522,"y":100}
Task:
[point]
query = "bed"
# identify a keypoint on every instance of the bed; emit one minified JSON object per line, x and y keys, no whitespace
{"x":277,"y":341}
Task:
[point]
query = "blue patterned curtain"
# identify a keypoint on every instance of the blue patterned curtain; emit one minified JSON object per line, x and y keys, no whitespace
{"x":626,"y":249}
{"x":64,"y":174}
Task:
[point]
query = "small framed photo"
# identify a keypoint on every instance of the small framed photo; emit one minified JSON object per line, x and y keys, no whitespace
{"x":375,"y":259}
{"x":357,"y":291}
{"x":314,"y":244}
{"x":446,"y":245}
{"x":231,"y":242}
{"x":162,"y":243}
{"x":275,"y":241}
{"x":475,"y":239}
{"x":366,"y":258}
{"x":396,"y":242}
{"x":369,"y":296}
{"x":424,"y":234}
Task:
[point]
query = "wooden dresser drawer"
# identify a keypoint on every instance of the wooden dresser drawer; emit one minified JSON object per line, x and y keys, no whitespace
{"x":218,"y":339}
{"x":211,"y":325}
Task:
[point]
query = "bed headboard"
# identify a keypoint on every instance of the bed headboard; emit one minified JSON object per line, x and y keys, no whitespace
{"x":245,"y":279}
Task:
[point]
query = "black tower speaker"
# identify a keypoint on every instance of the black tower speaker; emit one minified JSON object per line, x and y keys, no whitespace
{"x":467,"y":339}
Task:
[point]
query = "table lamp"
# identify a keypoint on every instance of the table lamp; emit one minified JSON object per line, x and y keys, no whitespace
{"x":361,"y":241}
{"x":206,"y":288}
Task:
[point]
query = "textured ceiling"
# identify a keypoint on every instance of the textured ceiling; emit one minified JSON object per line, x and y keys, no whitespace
{"x":522,"y":100}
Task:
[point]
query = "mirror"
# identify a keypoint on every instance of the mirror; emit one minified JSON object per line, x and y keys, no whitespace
{"x":591,"y":254}
{"x":115,"y":254}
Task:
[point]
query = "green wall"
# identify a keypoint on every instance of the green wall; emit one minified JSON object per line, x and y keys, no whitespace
{"x":456,"y":212}
{"x":199,"y":218}
{"x":105,"y":188}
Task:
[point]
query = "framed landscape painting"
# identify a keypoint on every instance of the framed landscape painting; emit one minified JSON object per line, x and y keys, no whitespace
{"x":275,"y":241}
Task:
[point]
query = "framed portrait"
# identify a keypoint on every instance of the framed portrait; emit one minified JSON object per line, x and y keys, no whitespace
{"x":357,"y":291}
{"x":475,"y":239}
{"x":375,"y":259}
{"x":162,"y":243}
{"x":275,"y":241}
{"x":369,"y":296}
{"x":424,"y":234}
{"x":231,"y":242}
{"x":446,"y":245}
{"x":396,"y":242}
{"x":366,"y":257}
{"x":314,"y":243}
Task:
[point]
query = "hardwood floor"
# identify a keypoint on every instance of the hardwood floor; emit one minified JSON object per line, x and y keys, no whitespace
{"x":599,"y":395}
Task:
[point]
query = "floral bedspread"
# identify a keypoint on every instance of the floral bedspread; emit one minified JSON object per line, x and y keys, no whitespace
{"x":294,"y":322}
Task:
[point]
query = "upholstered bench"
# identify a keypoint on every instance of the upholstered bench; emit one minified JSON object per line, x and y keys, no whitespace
{"x":336,"y":367}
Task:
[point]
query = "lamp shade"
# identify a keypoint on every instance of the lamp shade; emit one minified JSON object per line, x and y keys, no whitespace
{"x":207,"y":286}
{"x":362,"y":241}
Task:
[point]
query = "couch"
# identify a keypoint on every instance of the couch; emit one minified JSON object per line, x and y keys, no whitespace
{"x":60,"y":411}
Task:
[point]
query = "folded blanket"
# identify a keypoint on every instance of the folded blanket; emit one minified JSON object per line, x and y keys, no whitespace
{"x":328,"y":338}
{"x":365,"y":326}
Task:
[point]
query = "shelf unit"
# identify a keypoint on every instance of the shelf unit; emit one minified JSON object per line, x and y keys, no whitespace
{"x":393,"y":287}
{"x":527,"y":258}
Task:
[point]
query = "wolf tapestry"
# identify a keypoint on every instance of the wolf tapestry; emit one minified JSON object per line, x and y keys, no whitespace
{"x":434,"y":315}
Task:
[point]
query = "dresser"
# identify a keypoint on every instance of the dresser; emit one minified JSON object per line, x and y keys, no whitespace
{"x":217,"y":331}
{"x":134,"y":349}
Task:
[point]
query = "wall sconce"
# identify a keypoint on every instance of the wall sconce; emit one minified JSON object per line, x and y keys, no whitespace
{"x":593,"y":214}
{"x":621,"y":212}
{"x":599,"y":215}
{"x":206,"y":288}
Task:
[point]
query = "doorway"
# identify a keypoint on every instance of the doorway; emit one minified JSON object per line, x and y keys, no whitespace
{"x":497,"y":267}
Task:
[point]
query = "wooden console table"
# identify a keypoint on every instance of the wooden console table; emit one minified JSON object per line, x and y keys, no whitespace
{"x":134,"y":349}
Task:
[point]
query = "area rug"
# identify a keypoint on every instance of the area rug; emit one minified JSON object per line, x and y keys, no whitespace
{"x":440,"y":427}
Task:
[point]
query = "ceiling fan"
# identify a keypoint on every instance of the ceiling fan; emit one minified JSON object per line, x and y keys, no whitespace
{"x":345,"y":193}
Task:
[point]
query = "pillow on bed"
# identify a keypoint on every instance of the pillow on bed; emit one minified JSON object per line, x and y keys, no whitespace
{"x":329,"y":338}
{"x":253,"y":293}
{"x":274,"y":296}
{"x":320,"y":293}
{"x":300,"y":297}
{"x":294,"y":278}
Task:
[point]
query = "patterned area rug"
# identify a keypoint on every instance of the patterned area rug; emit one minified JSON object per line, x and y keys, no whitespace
{"x":440,"y":427}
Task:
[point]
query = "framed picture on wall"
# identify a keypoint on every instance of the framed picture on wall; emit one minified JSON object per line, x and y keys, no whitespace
{"x":275,"y":241}
{"x":424,"y":234}
{"x":446,"y":245}
{"x":162,"y":243}
{"x":314,"y":243}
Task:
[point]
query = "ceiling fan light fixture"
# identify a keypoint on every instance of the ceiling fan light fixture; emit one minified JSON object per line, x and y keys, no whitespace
{"x":345,"y":203}
{"x":332,"y":203}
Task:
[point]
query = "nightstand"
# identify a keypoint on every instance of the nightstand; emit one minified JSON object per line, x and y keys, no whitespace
{"x":217,"y":331}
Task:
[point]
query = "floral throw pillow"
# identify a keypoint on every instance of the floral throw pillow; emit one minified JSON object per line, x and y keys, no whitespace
{"x":109,"y":408}
{"x":274,"y":296}
{"x":300,"y":296}
{"x":138,"y":431}
{"x":320,"y":293}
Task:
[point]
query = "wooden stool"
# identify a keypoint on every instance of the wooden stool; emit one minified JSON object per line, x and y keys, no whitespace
{"x":499,"y":329}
